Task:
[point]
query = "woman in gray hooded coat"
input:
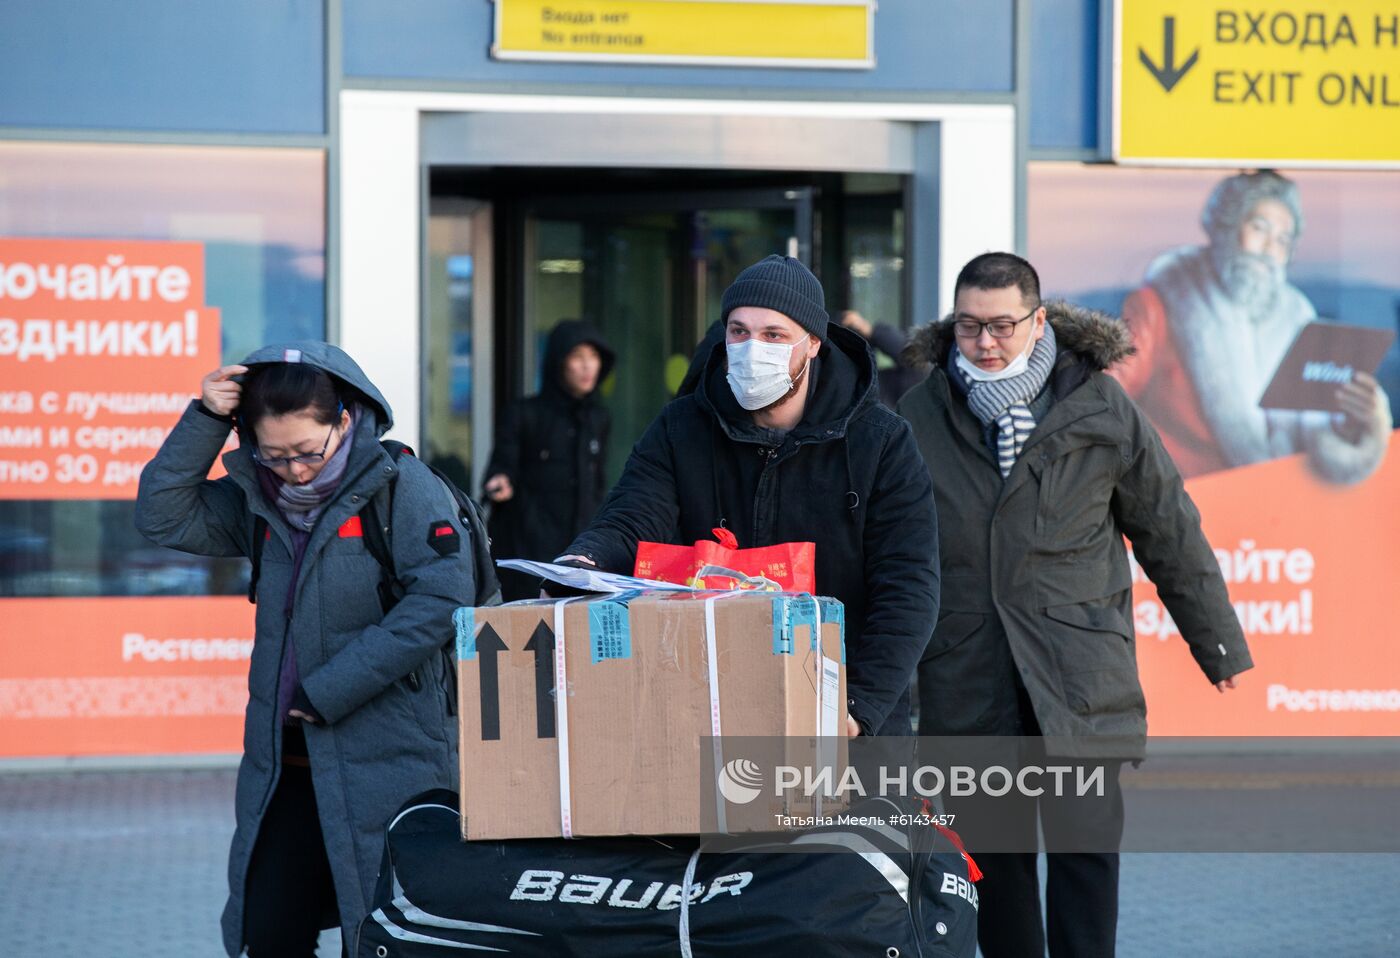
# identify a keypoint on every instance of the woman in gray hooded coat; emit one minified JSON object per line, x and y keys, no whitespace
{"x":349,"y":709}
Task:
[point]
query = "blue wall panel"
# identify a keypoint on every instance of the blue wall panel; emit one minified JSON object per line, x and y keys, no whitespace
{"x":1065,"y":74}
{"x":255,"y":66}
{"x":920,"y":46}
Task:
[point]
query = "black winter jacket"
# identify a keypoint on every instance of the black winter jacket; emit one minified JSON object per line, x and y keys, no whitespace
{"x":552,"y":447}
{"x":1037,"y":590}
{"x":848,"y":478}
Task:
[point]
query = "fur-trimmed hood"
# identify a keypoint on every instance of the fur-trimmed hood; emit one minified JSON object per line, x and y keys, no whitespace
{"x":1097,"y":337}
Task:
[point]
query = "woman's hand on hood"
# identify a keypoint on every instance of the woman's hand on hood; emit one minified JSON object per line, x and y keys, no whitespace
{"x":219,"y":392}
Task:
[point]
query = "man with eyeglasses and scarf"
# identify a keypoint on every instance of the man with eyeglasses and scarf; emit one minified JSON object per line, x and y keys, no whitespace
{"x":1040,"y":466}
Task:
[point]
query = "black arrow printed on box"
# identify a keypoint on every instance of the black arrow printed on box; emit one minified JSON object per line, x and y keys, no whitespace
{"x":489,"y":643}
{"x":542,"y":644}
{"x":1168,"y":75}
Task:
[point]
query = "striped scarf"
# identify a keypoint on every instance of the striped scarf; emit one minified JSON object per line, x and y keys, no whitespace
{"x":1007,"y":401}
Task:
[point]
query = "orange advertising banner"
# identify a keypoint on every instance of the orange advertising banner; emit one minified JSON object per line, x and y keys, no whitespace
{"x":128,"y":676}
{"x":1311,"y":572}
{"x":102,"y":346}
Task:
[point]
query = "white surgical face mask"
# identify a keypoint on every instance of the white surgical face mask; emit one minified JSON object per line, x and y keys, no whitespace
{"x":758,"y":372}
{"x":1014,"y":368}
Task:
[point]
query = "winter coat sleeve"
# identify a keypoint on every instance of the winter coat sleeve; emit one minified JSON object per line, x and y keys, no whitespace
{"x":901,"y":581}
{"x":505,"y":457}
{"x":178,"y":506}
{"x":889,"y":340}
{"x":643,"y":507}
{"x":417,"y":627}
{"x":1151,"y":506}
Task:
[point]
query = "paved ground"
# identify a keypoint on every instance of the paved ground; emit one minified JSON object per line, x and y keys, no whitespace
{"x":126,"y":864}
{"x":115,"y":864}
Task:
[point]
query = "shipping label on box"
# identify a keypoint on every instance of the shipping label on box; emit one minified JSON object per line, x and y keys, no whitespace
{"x":585,"y":716}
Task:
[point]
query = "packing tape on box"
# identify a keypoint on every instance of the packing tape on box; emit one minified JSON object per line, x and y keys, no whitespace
{"x":817,"y":645}
{"x":791,"y":612}
{"x":826,"y":677}
{"x":831,"y":705}
{"x":834,"y":612}
{"x":561,"y":719}
{"x":712,"y":654}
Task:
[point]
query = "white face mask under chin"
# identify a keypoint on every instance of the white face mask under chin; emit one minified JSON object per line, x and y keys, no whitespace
{"x":1014,"y":368}
{"x":758,"y":372}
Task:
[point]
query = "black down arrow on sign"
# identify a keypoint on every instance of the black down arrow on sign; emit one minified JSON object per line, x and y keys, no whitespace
{"x":1168,"y":74}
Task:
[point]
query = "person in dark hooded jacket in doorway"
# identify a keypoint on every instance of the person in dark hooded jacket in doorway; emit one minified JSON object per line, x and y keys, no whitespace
{"x":784,"y":440}
{"x":349,"y":704}
{"x":1041,"y":465}
{"x":548,"y":472}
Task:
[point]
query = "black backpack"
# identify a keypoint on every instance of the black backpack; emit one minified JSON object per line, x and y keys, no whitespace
{"x":377,"y":532}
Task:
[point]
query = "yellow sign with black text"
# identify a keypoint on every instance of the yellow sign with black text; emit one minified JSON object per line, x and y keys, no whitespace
{"x":1257,"y":83}
{"x":783,"y":33}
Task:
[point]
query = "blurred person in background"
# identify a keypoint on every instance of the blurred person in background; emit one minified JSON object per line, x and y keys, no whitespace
{"x":548,"y":473}
{"x":896,"y":375}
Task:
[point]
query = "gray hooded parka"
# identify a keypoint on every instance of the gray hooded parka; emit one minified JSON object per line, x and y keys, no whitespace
{"x":381,"y":682}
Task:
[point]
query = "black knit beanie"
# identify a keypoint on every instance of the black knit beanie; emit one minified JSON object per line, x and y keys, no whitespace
{"x":783,"y":284}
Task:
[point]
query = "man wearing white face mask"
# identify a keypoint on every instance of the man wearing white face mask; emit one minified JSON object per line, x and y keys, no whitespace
{"x":1041,"y":465}
{"x":784,"y":440}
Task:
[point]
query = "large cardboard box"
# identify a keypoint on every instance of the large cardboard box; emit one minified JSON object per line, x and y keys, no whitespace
{"x":620,"y":752}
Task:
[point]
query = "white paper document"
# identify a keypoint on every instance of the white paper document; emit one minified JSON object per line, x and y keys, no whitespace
{"x":587,"y":580}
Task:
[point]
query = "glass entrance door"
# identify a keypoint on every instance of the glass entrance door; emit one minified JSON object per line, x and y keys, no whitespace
{"x":648,"y":273}
{"x":457,"y":337}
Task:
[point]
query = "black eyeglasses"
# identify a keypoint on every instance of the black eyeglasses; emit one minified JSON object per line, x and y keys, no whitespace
{"x":999,"y":328}
{"x":306,"y":459}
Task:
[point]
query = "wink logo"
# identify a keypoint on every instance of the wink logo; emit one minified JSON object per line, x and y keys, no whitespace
{"x":1327,"y":372}
{"x":740,"y":781}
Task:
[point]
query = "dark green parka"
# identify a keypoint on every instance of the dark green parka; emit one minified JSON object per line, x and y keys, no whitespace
{"x":1037,"y":589}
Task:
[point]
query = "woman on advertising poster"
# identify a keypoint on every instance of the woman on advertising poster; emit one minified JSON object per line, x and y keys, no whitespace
{"x":349,"y":705}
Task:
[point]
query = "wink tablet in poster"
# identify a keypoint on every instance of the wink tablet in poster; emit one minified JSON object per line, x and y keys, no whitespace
{"x":1324,"y":357}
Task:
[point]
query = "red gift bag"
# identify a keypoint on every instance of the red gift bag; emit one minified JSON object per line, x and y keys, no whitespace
{"x":721,"y":564}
